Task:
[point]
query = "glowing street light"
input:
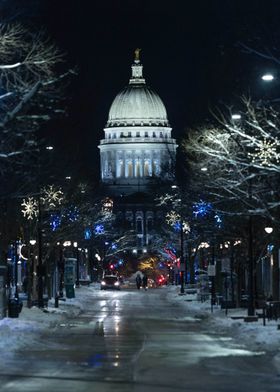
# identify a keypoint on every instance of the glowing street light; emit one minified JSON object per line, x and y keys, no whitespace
{"x":268,"y":77}
{"x":268,"y":230}
{"x":236,"y":116}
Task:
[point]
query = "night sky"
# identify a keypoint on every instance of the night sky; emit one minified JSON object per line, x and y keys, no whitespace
{"x":190,"y":55}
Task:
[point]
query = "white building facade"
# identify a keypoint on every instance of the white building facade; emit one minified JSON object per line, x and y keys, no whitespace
{"x":138,"y":147}
{"x":137,"y":151}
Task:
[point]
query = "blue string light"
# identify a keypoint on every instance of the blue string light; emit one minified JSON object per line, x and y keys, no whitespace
{"x":87,"y":234}
{"x":73,"y":214}
{"x":55,"y":221}
{"x":177,"y":226}
{"x":218,"y":220}
{"x":201,"y":208}
{"x":99,"y":229}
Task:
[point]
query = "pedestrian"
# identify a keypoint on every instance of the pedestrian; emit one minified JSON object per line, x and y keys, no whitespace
{"x":269,"y":298}
{"x":145,"y":282}
{"x":138,"y":281}
{"x":25,"y":284}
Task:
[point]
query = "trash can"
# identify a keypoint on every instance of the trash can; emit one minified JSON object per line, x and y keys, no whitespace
{"x":14,"y":307}
{"x":70,"y":291}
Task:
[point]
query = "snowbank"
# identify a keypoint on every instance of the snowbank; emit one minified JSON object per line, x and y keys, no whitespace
{"x":254,"y":334}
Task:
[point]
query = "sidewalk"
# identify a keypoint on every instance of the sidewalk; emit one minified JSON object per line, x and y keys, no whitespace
{"x":255,"y":334}
{"x":25,"y":330}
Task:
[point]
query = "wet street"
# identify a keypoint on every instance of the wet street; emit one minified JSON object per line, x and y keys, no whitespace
{"x":137,"y":341}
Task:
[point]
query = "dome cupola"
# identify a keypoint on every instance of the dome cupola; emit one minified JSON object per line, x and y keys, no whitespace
{"x":137,"y":104}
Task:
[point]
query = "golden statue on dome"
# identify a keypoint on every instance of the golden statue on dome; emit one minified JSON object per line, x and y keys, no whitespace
{"x":137,"y":54}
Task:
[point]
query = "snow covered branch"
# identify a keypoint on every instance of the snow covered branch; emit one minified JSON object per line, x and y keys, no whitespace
{"x":31,"y":92}
{"x":241,"y":160}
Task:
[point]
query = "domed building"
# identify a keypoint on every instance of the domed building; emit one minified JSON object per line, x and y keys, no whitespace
{"x":136,"y":153}
{"x":138,"y":148}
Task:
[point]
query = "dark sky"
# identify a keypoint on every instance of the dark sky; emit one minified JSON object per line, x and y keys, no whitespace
{"x":189,"y":52}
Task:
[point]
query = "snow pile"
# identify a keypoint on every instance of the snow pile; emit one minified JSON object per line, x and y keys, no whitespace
{"x":24,"y":331}
{"x":255,"y":334}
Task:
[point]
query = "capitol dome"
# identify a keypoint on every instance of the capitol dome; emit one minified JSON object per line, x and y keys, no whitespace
{"x":138,"y":147}
{"x":137,"y":104}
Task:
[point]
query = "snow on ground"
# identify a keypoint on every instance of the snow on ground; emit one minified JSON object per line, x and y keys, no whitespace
{"x":254,"y":333}
{"x":32,"y":322}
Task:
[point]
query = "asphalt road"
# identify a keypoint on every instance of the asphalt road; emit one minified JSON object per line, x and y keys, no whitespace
{"x":132,"y":341}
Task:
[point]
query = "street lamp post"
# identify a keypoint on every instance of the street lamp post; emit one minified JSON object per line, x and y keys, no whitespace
{"x":182,"y":264}
{"x":40,"y":257}
{"x":274,"y":279}
{"x":251,"y":288}
{"x":16,"y":269}
{"x":30,"y":272}
{"x":77,"y":264}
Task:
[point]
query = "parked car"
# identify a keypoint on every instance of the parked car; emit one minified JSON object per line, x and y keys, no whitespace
{"x":110,"y":282}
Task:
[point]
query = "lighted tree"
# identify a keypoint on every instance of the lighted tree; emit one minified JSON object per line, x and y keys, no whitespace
{"x":30,"y":95}
{"x":33,"y":78}
{"x":236,"y":162}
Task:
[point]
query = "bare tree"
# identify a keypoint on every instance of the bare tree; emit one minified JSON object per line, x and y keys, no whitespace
{"x":30,"y":94}
{"x":236,"y":161}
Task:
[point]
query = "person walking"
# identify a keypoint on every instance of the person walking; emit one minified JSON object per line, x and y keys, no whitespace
{"x":138,"y":281}
{"x":145,"y":282}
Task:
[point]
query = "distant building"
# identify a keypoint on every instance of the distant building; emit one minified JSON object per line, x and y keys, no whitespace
{"x":136,"y":153}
